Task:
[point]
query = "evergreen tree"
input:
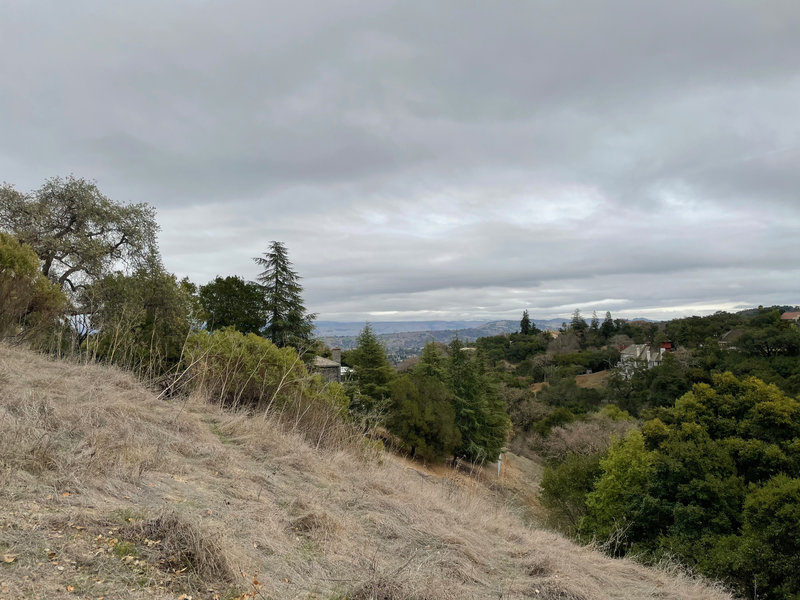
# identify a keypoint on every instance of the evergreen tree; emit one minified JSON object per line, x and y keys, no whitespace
{"x":422,"y":416}
{"x":372,"y":372}
{"x":431,"y":362}
{"x":525,"y":323}
{"x":607,"y":329}
{"x":480,"y":414}
{"x":578,"y":323}
{"x":288,"y":321}
{"x":595,"y":325}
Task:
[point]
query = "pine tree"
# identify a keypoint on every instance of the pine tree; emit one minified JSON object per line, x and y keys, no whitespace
{"x":525,"y":323}
{"x":607,"y":328}
{"x":422,"y":416}
{"x":595,"y":324}
{"x":288,"y":321}
{"x":431,"y":362}
{"x":372,"y":371}
{"x":480,"y":414}
{"x":578,"y":323}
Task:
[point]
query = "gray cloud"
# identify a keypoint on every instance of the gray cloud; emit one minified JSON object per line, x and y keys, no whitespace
{"x":450,"y":159}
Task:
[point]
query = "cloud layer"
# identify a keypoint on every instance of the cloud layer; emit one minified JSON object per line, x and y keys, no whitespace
{"x":432,"y":160}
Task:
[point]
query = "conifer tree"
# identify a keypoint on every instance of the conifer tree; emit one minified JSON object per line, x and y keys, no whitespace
{"x":422,"y":416}
{"x":288,"y":321}
{"x":607,"y":328}
{"x":578,"y":323}
{"x":525,"y":323}
{"x":431,"y":362}
{"x":372,"y":371}
{"x":480,"y":415}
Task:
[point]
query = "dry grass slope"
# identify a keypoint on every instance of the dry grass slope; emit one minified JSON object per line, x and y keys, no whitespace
{"x":107,"y":491}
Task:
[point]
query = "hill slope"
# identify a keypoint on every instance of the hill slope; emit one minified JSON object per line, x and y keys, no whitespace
{"x":107,"y":491}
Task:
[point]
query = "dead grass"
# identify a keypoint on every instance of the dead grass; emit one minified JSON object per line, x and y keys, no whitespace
{"x":592,"y":380}
{"x":136,"y":497}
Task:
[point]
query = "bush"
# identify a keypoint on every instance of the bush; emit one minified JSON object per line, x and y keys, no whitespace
{"x":30,"y":301}
{"x":250,"y":372}
{"x":564,"y":488}
{"x":236,"y":369}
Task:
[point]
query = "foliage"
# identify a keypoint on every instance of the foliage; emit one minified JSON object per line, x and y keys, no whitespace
{"x":480,"y":415}
{"x":615,"y":504}
{"x":565,"y":393}
{"x":421,"y":414}
{"x":372,"y":372}
{"x":245,"y":369}
{"x":644,"y":388}
{"x":564,"y":488}
{"x":766,"y":553}
{"x":712,"y":481}
{"x":140,"y":320}
{"x":29,"y":301}
{"x":578,"y":323}
{"x":233,"y":302}
{"x":526,"y":326}
{"x":78,"y":233}
{"x":288,"y":322}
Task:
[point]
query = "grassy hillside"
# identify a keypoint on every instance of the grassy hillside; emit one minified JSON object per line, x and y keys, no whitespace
{"x":108,"y":491}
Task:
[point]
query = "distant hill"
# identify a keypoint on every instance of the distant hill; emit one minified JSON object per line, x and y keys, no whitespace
{"x":347,"y":328}
{"x":407,"y":338}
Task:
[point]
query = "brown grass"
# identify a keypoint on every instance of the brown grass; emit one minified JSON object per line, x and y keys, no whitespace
{"x":135,"y":497}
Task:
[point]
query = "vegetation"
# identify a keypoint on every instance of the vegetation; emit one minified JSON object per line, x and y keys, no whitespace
{"x":238,"y":370}
{"x":139,"y":497}
{"x":141,"y":320}
{"x":288,"y":322}
{"x":78,"y":233}
{"x":233,"y":302}
{"x":712,"y":481}
{"x":696,"y":458}
{"x":30,"y":303}
{"x":372,"y":373}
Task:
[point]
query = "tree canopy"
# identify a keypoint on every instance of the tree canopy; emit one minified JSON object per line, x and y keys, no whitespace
{"x":233,"y":302}
{"x":713,"y":480}
{"x":78,"y":233}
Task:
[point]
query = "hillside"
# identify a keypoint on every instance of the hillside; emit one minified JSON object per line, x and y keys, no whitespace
{"x":108,"y":491}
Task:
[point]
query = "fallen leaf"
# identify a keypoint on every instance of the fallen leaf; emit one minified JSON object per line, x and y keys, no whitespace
{"x":9,"y":558}
{"x":70,"y":588}
{"x":65,"y":494}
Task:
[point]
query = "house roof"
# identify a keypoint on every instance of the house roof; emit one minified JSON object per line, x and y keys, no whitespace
{"x":322,"y":363}
{"x":639,"y":352}
{"x":790,"y":316}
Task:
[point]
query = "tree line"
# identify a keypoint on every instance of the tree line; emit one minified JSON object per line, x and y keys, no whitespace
{"x":95,"y":285}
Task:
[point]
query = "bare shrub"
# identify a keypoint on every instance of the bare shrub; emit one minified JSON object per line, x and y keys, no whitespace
{"x":581,"y":437}
{"x":183,"y":548}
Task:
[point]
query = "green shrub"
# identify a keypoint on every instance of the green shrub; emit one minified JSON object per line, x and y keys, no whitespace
{"x":564,"y":488}
{"x":30,"y":302}
{"x":237,"y":369}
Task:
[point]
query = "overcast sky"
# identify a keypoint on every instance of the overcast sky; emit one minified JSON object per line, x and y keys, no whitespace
{"x":432,"y":160}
